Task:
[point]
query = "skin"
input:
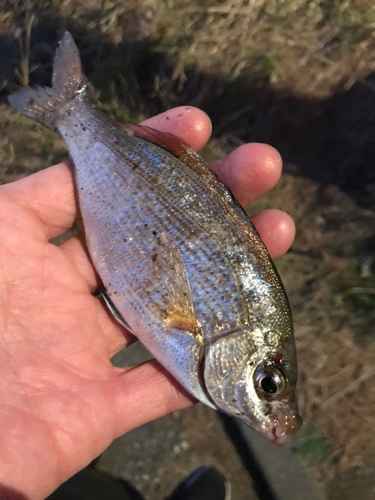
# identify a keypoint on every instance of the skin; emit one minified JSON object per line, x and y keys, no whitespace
{"x":61,"y":401}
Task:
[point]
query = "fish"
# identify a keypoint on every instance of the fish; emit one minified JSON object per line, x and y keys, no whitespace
{"x":182,"y":266}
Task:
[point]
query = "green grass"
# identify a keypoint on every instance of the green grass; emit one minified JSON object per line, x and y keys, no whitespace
{"x":353,"y":298}
{"x":314,"y":449}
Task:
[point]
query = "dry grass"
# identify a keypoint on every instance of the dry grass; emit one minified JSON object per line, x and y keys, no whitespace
{"x":332,"y":42}
{"x":267,"y":70}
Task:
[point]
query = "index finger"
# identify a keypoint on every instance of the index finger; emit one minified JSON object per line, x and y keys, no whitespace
{"x":50,"y":196}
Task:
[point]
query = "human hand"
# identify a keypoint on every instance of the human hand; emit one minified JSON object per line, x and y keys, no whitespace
{"x":62,"y":402}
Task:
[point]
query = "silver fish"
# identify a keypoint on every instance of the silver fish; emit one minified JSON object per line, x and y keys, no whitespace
{"x":182,"y":265}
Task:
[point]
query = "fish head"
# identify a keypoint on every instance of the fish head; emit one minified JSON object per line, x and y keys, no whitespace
{"x":255,"y":380}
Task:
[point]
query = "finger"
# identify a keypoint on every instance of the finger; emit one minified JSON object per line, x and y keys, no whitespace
{"x":76,"y":251}
{"x":145,"y":393}
{"x":277,"y":230}
{"x":249,"y":171}
{"x":49,"y":194}
{"x":190,"y":124}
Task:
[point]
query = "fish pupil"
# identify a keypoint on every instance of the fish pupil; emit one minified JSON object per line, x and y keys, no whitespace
{"x":269,"y":385}
{"x":269,"y":381}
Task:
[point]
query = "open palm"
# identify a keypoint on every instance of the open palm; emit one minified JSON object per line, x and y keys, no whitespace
{"x":61,"y":400}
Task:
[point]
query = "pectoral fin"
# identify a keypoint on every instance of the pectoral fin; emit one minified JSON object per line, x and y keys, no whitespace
{"x":178,"y":300}
{"x":114,"y":311}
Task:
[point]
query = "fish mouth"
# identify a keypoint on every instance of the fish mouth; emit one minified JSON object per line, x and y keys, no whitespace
{"x":283,"y":426}
{"x":276,"y":436}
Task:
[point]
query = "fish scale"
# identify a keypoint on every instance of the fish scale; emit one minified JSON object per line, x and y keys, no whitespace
{"x":180,"y":261}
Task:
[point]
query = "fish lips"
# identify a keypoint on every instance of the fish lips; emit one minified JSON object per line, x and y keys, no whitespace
{"x":279,"y":427}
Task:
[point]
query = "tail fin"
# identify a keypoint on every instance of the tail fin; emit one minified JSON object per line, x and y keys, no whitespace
{"x":45,"y":104}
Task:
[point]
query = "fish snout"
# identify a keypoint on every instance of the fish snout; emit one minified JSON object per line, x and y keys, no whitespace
{"x":284,"y":425}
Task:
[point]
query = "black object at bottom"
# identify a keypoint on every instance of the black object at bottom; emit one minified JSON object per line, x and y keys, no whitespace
{"x":91,"y":484}
{"x":205,"y":483}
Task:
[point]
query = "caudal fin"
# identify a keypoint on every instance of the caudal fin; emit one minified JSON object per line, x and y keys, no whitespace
{"x":45,"y":104}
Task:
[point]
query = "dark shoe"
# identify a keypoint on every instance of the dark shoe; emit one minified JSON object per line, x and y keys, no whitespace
{"x":205,"y":483}
{"x":91,"y":484}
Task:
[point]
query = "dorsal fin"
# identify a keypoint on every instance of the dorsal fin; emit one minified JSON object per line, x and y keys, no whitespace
{"x":170,"y":143}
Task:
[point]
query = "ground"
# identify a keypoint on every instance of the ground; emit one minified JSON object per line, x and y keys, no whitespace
{"x":298,"y":74}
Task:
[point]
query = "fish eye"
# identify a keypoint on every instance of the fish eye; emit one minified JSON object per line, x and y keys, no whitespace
{"x":269,"y":381}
